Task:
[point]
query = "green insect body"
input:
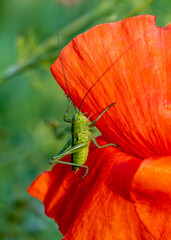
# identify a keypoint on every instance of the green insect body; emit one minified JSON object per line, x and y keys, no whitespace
{"x":78,"y":144}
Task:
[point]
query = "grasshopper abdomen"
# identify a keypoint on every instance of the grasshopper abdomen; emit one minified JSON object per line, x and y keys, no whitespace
{"x":80,"y":134}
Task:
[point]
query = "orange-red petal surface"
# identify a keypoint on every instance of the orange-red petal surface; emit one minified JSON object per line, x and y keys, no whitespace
{"x":97,"y":207}
{"x":126,"y":194}
{"x":151,"y":195}
{"x":168,"y":25}
{"x":131,"y":62}
{"x":100,"y":206}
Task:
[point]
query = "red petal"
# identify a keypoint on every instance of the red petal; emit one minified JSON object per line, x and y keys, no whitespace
{"x":151,"y":193}
{"x":87,"y":204}
{"x":132,"y":61}
{"x":98,"y":207}
{"x":168,"y":25}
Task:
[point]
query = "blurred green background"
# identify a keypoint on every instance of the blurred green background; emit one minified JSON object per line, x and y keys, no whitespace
{"x":31,"y":102}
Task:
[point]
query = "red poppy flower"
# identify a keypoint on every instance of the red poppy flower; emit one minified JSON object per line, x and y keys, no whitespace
{"x":126,"y":194}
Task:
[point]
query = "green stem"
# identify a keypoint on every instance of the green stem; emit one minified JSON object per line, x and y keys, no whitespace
{"x":48,"y":49}
{"x":138,"y":9}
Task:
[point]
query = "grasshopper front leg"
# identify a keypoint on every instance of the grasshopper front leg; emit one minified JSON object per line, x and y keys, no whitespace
{"x":92,"y":124}
{"x":66,"y":113}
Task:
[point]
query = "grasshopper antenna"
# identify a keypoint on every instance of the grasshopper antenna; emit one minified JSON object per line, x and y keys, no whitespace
{"x":58,"y":42}
{"x":131,"y":46}
{"x":87,"y":94}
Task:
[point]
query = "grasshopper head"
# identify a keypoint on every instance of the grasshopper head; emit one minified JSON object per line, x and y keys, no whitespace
{"x":79,"y":118}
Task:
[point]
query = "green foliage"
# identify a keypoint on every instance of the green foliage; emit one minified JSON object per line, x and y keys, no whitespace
{"x":31,"y":102}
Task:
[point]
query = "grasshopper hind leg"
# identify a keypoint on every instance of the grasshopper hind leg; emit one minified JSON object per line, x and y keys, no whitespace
{"x":66,"y":150}
{"x":75,"y":165}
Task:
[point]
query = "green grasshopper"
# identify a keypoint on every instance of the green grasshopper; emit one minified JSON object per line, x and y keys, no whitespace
{"x":78,"y":144}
